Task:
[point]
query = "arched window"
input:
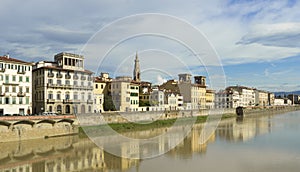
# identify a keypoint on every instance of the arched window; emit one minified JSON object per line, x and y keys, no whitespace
{"x":58,"y":95}
{"x":68,"y":110}
{"x":82,"y":109}
{"x":50,"y":108}
{"x":58,"y":108}
{"x":67,"y":95}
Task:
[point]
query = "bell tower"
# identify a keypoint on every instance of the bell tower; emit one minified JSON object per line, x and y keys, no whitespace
{"x":136,"y":71}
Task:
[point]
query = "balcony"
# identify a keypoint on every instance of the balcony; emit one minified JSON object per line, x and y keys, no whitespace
{"x":50,"y":74}
{"x":58,"y":75}
{"x":21,"y":72}
{"x":89,"y":101}
{"x":21,"y":94}
{"x":50,"y":101}
{"x":68,"y":76}
{"x":2,"y":69}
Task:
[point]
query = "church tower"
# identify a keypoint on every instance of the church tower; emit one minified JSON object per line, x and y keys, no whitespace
{"x":136,"y":71}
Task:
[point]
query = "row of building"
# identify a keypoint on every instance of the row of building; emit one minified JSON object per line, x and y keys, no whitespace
{"x":64,"y":86}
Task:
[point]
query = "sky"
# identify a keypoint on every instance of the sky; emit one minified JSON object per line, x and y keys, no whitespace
{"x":254,"y":43}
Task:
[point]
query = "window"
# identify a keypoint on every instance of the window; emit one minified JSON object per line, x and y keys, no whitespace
{"x":90,"y":109}
{"x":1,"y":77}
{"x":27,"y":100}
{"x":27,"y":78}
{"x":82,"y":96}
{"x":13,"y":100}
{"x":7,"y":89}
{"x":67,"y":95}
{"x":0,"y":100}
{"x":6,"y":100}
{"x":75,"y":96}
{"x":101,"y":86}
{"x":6,"y":78}
{"x":96,"y":86}
{"x":28,"y":68}
{"x":67,"y":82}
{"x":50,"y":81}
{"x":75,"y":83}
{"x":14,"y":78}
{"x":27,"y":89}
{"x":89,"y":96}
{"x":58,"y":82}
{"x":20,"y":89}
{"x":50,"y":95}
{"x":20,"y":79}
{"x":82,"y":84}
{"x":14,"y":89}
{"x":58,"y":95}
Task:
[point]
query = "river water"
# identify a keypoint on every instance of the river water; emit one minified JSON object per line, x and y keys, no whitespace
{"x":265,"y":143}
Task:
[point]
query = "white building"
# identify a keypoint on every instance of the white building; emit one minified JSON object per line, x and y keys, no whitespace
{"x":62,"y":86}
{"x":278,"y":102}
{"x":157,"y":97}
{"x":246,"y":96}
{"x":15,"y":86}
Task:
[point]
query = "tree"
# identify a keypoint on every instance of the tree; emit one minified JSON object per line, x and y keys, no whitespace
{"x":108,"y":104}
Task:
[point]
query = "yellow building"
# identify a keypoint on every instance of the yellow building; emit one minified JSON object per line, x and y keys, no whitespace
{"x":101,"y":89}
{"x":210,"y":97}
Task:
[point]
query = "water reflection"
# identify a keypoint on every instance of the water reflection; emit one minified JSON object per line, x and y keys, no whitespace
{"x":80,"y":154}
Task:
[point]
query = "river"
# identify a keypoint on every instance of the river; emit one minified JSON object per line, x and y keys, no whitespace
{"x":265,"y":143}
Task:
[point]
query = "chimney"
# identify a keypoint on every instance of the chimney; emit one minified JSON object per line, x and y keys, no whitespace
{"x":7,"y":55}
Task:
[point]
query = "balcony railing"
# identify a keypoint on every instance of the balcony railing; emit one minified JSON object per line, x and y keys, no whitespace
{"x":21,"y":72}
{"x":2,"y":94}
{"x":68,"y":76}
{"x":2,"y":69}
{"x":89,"y":101}
{"x":50,"y":101}
{"x":50,"y":74}
{"x":21,"y":94}
{"x":58,"y":75}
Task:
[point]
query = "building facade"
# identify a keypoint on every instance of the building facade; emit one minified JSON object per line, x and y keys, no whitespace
{"x":101,"y":89}
{"x":15,"y":86}
{"x":62,"y":86}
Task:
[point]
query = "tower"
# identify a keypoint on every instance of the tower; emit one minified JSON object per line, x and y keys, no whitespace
{"x":136,"y":71}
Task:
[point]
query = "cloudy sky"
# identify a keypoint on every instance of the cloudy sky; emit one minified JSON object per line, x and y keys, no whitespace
{"x":258,"y":42}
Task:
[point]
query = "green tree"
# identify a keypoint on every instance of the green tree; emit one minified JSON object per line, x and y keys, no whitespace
{"x":108,"y":104}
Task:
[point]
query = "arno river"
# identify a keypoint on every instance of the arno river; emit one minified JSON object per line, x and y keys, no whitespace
{"x":265,"y":143}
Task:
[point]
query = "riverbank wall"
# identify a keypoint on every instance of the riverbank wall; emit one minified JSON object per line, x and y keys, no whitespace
{"x":35,"y":127}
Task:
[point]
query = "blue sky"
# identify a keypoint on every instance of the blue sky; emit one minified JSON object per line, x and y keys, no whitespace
{"x":258,"y":41}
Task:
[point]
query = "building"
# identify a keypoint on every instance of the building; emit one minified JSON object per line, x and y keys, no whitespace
{"x":15,"y":86}
{"x":101,"y":89}
{"x":157,"y":97}
{"x":278,"y":102}
{"x":261,"y":98}
{"x":62,"y":86}
{"x":294,"y":98}
{"x":271,"y":98}
{"x":136,"y":70}
{"x":125,"y":94}
{"x":210,"y":99}
{"x":246,"y":96}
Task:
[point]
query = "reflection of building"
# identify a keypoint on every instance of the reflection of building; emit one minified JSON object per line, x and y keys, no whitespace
{"x":243,"y":129}
{"x":15,"y":86}
{"x":62,"y":86}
